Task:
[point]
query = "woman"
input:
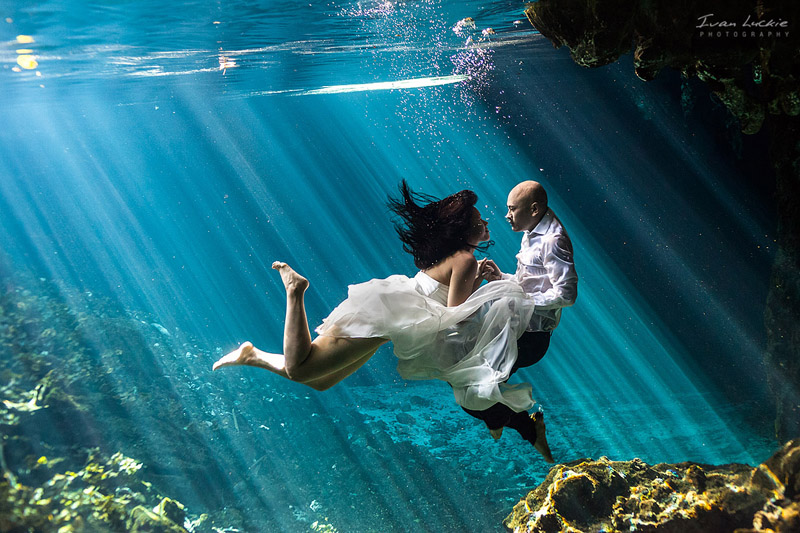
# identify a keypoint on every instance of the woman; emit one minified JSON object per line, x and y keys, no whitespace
{"x":441,"y":323}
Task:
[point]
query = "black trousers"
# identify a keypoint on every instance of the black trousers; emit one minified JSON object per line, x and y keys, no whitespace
{"x":531,"y":347}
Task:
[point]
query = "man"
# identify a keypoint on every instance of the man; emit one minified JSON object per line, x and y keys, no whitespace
{"x":546,"y":271}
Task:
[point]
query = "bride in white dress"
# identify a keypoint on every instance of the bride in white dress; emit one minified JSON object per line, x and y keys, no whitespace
{"x":442,"y":323}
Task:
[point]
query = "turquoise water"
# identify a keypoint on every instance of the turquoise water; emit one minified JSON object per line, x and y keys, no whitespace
{"x":158,"y":157}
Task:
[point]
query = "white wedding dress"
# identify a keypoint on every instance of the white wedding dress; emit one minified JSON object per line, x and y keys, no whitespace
{"x":471,"y":346}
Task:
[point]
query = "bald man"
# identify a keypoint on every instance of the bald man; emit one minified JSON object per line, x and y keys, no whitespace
{"x":546,"y":271}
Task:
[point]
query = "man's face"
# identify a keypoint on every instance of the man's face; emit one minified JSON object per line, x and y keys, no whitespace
{"x":521,"y":211}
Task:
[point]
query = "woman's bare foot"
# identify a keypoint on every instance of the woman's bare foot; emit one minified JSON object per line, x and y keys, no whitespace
{"x":293,"y":281}
{"x":541,"y":438}
{"x":244,"y":355}
{"x":249,"y":355}
{"x":496,"y":433}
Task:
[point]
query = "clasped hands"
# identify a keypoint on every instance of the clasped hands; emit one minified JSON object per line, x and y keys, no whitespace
{"x":488,"y":270}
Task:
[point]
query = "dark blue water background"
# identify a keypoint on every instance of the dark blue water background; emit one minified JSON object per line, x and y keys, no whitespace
{"x":162,"y":155}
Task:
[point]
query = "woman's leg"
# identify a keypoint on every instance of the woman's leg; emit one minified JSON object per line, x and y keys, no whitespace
{"x":325,"y":383}
{"x":296,"y":335}
{"x":337,"y":357}
{"x":302,"y":360}
{"x":249,"y":355}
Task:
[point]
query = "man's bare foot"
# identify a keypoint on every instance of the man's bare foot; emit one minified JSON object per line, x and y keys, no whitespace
{"x":541,"y":438}
{"x":293,"y":281}
{"x":496,"y":433}
{"x":244,"y":355}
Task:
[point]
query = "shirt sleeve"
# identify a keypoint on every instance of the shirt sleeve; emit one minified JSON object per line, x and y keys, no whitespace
{"x":558,"y":261}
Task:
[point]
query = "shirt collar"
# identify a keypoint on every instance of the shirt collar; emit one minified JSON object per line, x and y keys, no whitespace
{"x":543,"y":225}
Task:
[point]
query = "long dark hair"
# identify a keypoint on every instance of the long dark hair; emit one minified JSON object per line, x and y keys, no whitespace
{"x":435,"y":230}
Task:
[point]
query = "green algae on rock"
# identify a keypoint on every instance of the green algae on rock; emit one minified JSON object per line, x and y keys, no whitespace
{"x":603,"y":495}
{"x":105,"y":495}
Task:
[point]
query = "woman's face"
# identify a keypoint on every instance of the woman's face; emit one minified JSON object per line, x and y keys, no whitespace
{"x":479,"y":231}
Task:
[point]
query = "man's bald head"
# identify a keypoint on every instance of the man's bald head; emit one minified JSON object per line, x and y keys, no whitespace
{"x":530,"y":191}
{"x":527,"y":204}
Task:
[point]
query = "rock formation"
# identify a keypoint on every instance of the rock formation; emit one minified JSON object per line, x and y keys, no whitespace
{"x":604,"y":495}
{"x":746,"y":52}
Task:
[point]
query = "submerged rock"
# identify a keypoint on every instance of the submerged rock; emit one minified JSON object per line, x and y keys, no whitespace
{"x":142,"y":519}
{"x":604,"y":495}
{"x":748,"y":64}
{"x":171,"y":510}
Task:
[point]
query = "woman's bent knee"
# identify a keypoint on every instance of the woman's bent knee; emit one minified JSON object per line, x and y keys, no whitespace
{"x":329,"y":355}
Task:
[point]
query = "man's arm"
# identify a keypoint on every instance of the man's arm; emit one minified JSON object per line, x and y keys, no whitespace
{"x":558,"y":261}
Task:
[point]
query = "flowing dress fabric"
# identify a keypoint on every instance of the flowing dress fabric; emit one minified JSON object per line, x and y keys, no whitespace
{"x":472,"y":346}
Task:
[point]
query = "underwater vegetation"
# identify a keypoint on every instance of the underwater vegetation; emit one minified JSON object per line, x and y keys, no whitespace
{"x":57,"y":476}
{"x":105,"y":495}
{"x":111,"y":421}
{"x":90,"y":445}
{"x":95,"y":433}
{"x":605,"y":495}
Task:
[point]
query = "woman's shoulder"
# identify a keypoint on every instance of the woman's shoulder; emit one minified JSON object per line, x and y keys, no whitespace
{"x":461,"y":260}
{"x":463,"y":256}
{"x":456,"y":262}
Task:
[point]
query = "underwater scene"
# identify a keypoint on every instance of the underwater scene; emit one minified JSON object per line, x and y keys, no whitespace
{"x":156,"y":158}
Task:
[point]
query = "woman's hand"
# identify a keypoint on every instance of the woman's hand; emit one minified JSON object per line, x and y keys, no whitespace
{"x":482,"y":269}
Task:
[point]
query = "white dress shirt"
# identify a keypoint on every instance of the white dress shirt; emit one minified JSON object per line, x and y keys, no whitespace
{"x":546,"y":271}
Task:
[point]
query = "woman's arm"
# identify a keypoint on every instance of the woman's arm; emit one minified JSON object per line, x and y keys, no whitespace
{"x":463,"y":278}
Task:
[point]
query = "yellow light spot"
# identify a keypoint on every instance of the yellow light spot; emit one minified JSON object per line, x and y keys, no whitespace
{"x":16,"y":69}
{"x":42,"y":460}
{"x":9,"y":20}
{"x":28,"y":62}
{"x":24,"y":51}
{"x":217,"y":22}
{"x":24,"y":39}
